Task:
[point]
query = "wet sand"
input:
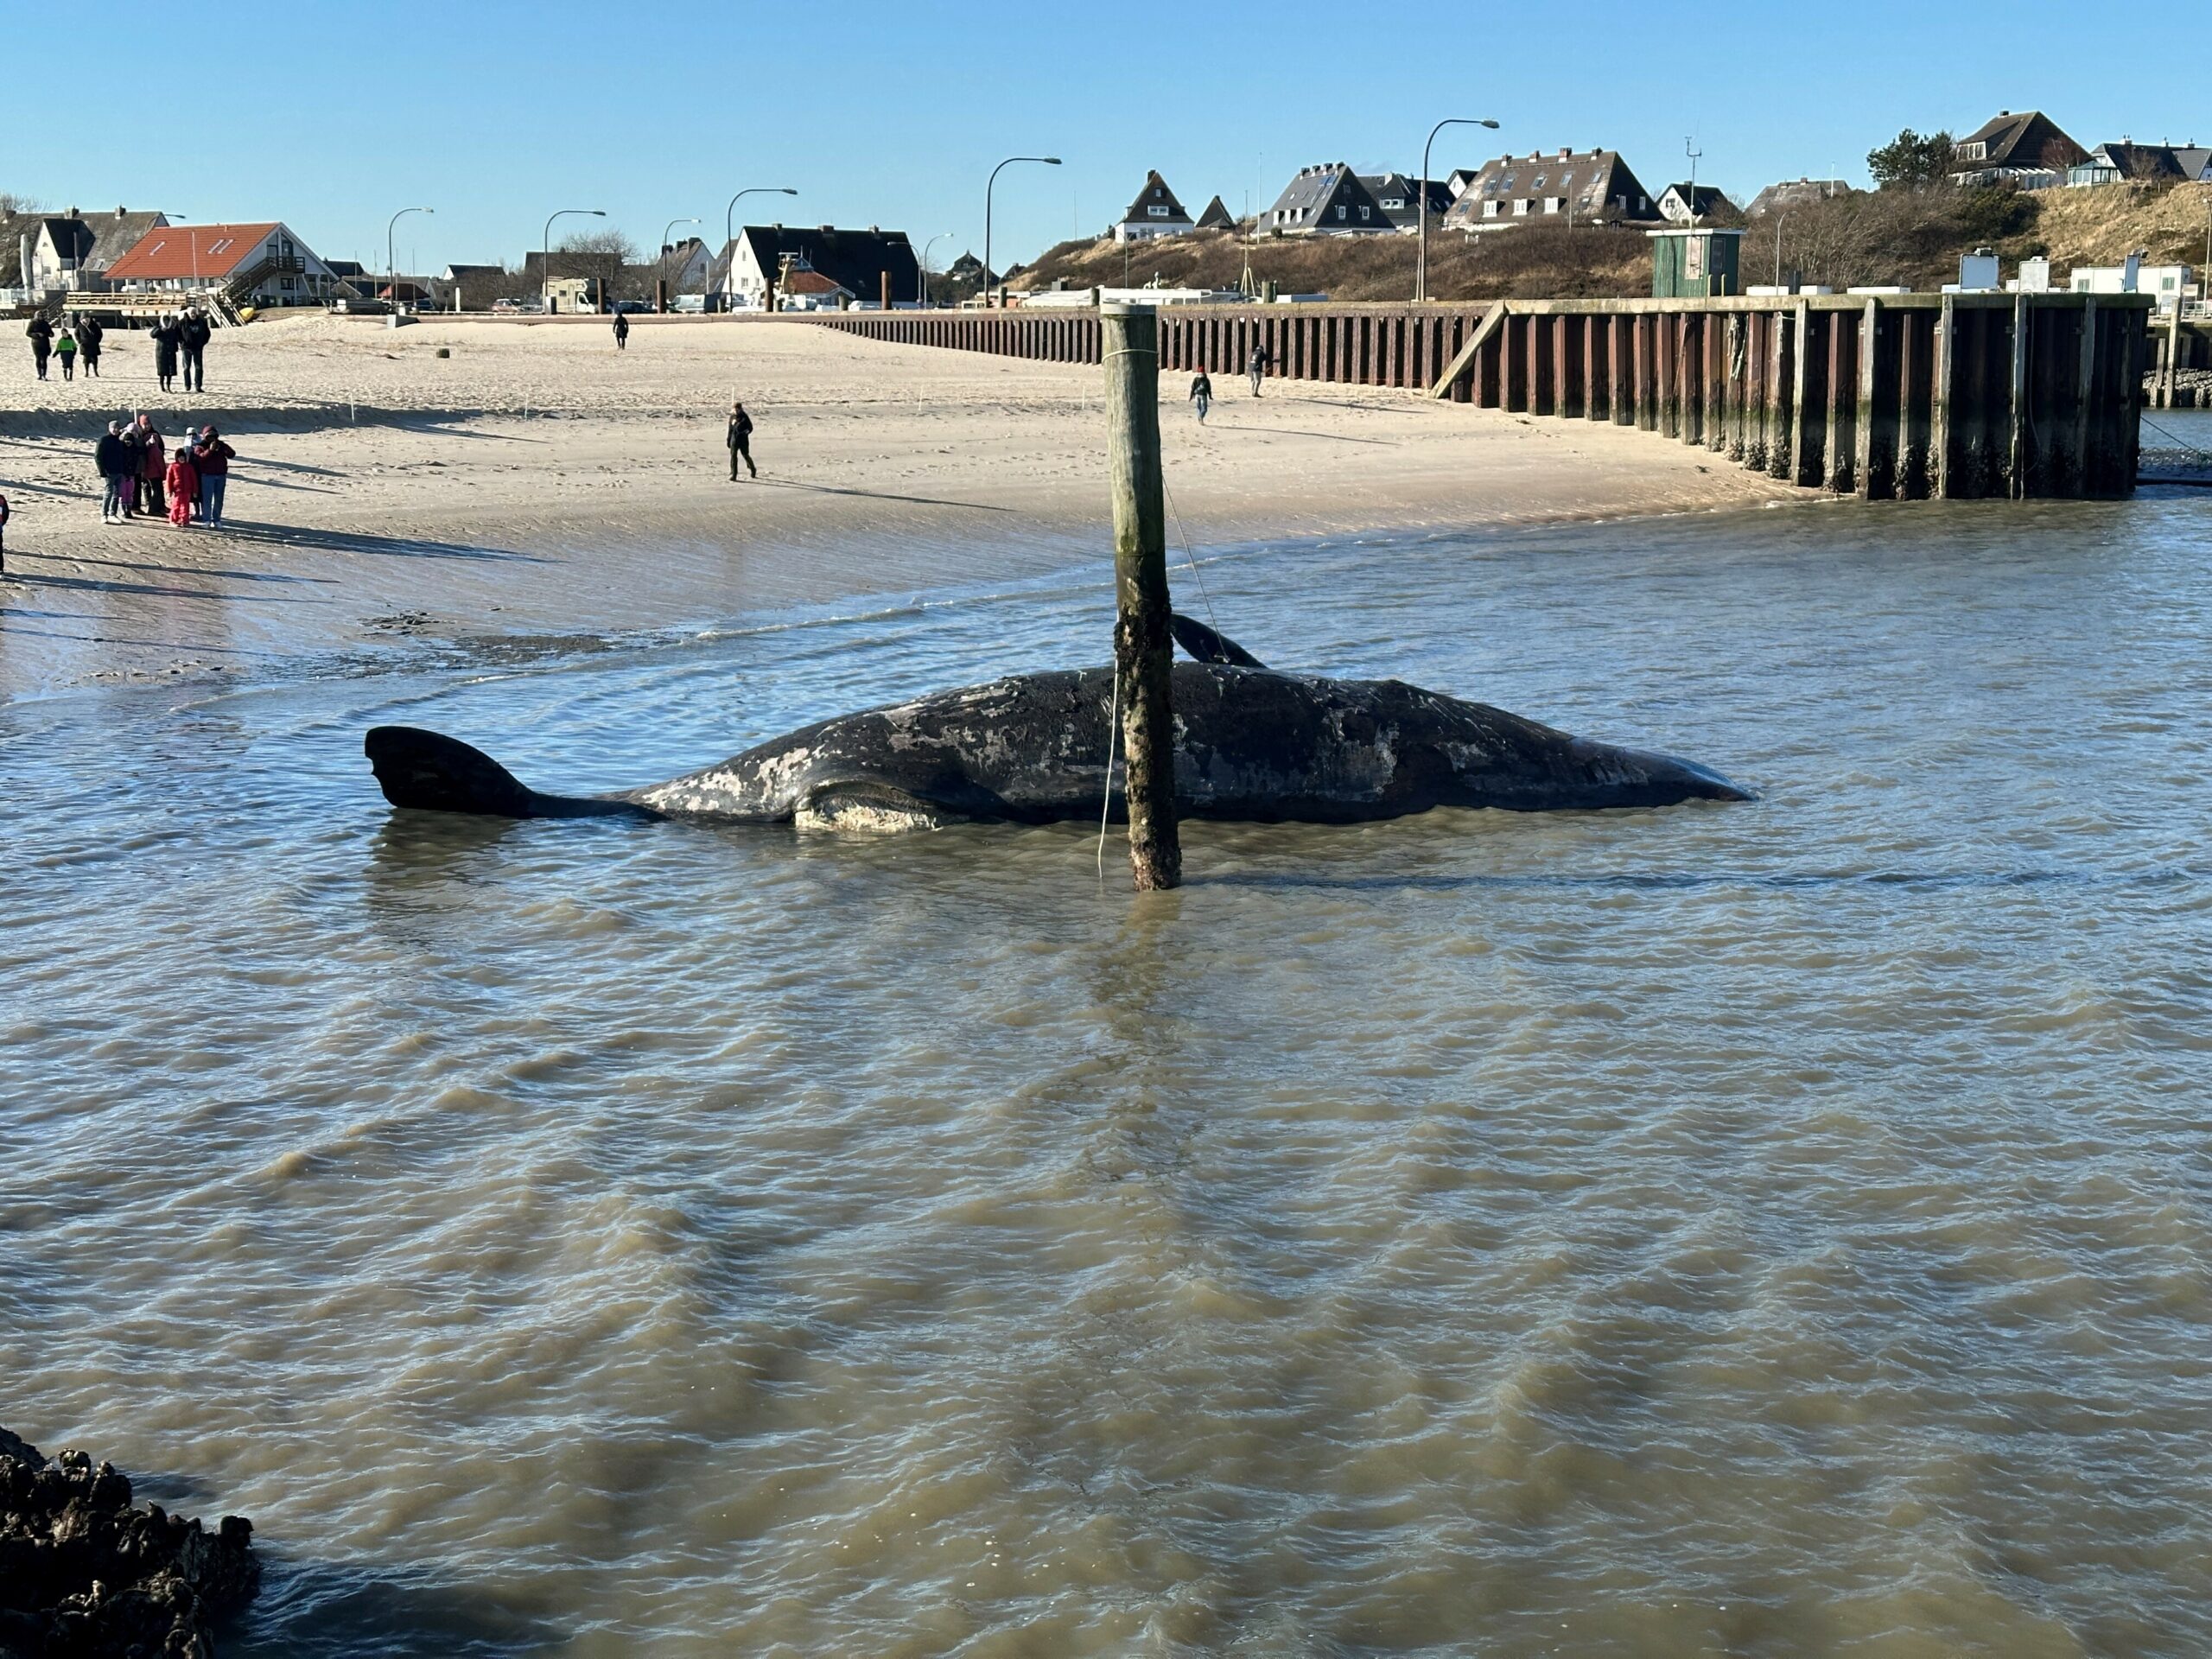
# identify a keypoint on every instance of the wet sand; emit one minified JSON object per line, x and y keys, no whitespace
{"x":538,"y":482}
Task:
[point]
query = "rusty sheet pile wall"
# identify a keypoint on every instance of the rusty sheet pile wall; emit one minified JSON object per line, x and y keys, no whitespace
{"x":1893,"y":396}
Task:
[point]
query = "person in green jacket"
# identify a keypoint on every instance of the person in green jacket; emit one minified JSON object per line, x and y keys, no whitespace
{"x":65,"y":347}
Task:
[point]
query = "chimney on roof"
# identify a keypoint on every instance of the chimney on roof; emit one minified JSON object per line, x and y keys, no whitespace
{"x":1564,"y":154}
{"x":826,"y":229}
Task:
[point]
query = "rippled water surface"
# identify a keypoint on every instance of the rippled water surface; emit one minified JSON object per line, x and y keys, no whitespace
{"x":1768,"y":1229}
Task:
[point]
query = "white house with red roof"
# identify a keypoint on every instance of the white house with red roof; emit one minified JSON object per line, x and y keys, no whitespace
{"x":262,"y":265}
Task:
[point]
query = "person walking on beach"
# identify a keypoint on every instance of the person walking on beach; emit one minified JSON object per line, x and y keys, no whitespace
{"x":153,"y":462}
{"x":65,"y":347}
{"x":211,"y":459}
{"x":1202,"y":394}
{"x":40,"y":334}
{"x":3,"y":535}
{"x":1257,"y":368}
{"x":113,"y":457}
{"x":166,"y":340}
{"x":622,"y":332}
{"x":740,"y":441}
{"x":194,"y":333}
{"x":184,"y":486}
{"x":90,"y":335}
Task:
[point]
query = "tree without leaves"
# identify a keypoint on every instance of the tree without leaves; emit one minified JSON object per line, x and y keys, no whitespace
{"x":1909,"y":161}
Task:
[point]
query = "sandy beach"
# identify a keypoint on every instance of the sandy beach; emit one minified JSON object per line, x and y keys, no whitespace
{"x":535,"y":482}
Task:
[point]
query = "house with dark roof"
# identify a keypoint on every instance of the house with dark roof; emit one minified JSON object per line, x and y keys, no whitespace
{"x":1395,"y":195}
{"x":2128,"y":163}
{"x":1216,"y":217}
{"x":1456,"y":181}
{"x":1676,"y":207}
{"x":744,"y":273}
{"x":264,"y":263}
{"x":1156,"y":212}
{"x":76,"y":250}
{"x":2027,"y":149}
{"x":1796,"y":193}
{"x":1587,"y":187}
{"x":1325,"y":200}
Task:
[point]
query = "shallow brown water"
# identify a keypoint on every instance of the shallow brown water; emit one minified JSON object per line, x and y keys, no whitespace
{"x":1769,"y":1229}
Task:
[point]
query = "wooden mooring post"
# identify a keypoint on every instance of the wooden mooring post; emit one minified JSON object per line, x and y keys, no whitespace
{"x":1143,"y":650}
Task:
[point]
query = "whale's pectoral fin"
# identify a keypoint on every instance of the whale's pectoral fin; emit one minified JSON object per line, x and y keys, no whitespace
{"x":431,"y":773}
{"x":1203,"y":645}
{"x":866,"y":807}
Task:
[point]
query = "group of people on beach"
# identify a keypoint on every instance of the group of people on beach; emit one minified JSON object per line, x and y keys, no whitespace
{"x":77,"y":337}
{"x":143,"y":479}
{"x":179,"y":336}
{"x":1202,"y":383}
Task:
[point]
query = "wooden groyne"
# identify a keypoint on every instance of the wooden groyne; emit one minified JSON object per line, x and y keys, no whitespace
{"x":1350,"y":344}
{"x":1904,"y":396}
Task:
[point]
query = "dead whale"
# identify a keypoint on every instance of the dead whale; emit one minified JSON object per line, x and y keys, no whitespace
{"x":1251,"y":744}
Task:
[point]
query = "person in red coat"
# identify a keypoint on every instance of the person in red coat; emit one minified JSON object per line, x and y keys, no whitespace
{"x":184,"y":486}
{"x":152,"y":468}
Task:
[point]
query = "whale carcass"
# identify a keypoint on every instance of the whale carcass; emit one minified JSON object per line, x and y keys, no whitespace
{"x":1250,"y":744}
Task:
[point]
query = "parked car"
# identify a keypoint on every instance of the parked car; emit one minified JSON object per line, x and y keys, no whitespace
{"x":512,"y":307}
{"x":628,"y":308}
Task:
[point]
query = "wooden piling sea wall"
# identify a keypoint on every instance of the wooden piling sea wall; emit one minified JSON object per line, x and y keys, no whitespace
{"x":1885,"y":397}
{"x":1352,"y":345}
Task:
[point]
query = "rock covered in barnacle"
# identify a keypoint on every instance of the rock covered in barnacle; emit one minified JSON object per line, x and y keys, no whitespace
{"x":84,"y":1574}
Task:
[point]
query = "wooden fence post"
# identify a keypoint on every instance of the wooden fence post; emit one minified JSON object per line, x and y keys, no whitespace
{"x":1143,"y":652}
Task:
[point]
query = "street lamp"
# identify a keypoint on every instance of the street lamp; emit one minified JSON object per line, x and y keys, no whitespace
{"x":729,"y":233}
{"x":926,"y":246}
{"x":545,"y":256}
{"x":664,"y":234}
{"x":1420,"y":275}
{"x":390,"y":270}
{"x":990,"y":276}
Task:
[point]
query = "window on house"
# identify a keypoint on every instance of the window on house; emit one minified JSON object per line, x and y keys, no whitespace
{"x":1342,"y":214}
{"x":1365,"y":214}
{"x":1539,"y":183}
{"x":1394,"y":201}
{"x":1521,"y":209}
{"x":1976,"y":152}
{"x":1156,"y":213}
{"x":1490,"y":210}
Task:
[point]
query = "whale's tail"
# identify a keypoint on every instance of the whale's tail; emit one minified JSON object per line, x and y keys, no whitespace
{"x":431,"y":773}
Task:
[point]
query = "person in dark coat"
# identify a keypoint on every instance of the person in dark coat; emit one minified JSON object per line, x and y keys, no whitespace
{"x":41,"y":332}
{"x":113,"y":462}
{"x":3,"y":535}
{"x":622,"y":332}
{"x":1257,"y":368}
{"x":211,"y":460}
{"x":134,"y":464}
{"x":1202,"y":394}
{"x":740,"y":441}
{"x":194,"y":333}
{"x":89,"y":335}
{"x":167,"y":339}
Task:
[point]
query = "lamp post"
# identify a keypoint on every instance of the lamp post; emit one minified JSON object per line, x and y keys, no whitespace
{"x":1695,"y":156}
{"x":390,"y":270}
{"x":1421,"y":271}
{"x":729,"y":233}
{"x":926,"y":246}
{"x":664,"y":234}
{"x":545,"y":254}
{"x":990,"y":276}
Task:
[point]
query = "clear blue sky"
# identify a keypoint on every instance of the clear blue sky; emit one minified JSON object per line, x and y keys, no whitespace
{"x":497,"y":113}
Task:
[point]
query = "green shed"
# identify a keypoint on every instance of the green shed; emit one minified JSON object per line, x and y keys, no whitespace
{"x":1700,"y":264}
